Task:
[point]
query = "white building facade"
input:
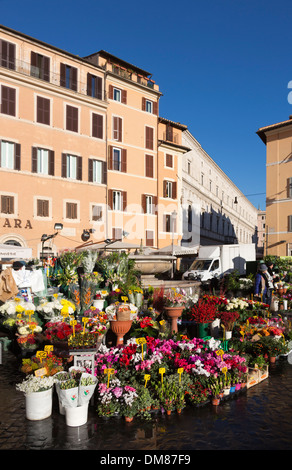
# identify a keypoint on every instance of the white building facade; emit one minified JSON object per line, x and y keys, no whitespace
{"x":214,"y":210}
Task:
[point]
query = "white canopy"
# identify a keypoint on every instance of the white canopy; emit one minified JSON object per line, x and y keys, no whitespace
{"x":180,"y":250}
{"x":15,"y":252}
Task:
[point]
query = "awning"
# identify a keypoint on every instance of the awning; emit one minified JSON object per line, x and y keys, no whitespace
{"x":117,"y":245}
{"x":178,"y":250}
{"x":12,"y":251}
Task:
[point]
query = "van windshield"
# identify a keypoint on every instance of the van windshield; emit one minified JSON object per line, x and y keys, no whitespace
{"x":201,"y":264}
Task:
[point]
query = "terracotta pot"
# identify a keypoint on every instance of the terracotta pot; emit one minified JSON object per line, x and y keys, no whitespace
{"x":168,"y":412}
{"x":215,"y":401}
{"x":120,"y":328}
{"x":173,"y":313}
{"x":129,"y":419}
{"x":272,"y":359}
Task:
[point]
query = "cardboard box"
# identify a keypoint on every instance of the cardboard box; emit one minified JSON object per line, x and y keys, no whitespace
{"x":252,"y":378}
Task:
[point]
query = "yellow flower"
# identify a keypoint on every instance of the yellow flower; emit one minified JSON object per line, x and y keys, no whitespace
{"x":19,"y":308}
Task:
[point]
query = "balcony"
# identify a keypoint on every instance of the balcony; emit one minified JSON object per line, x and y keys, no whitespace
{"x":26,"y":69}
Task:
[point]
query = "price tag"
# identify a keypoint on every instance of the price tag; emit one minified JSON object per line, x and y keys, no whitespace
{"x":220,"y":352}
{"x":108,"y":371}
{"x":32,"y":327}
{"x":48,"y":348}
{"x":85,"y":320}
{"x":73,"y":323}
{"x":180,"y":371}
{"x":142,"y":342}
{"x":40,"y":372}
{"x":146,"y":378}
{"x":161,"y":372}
{"x":41,"y":354}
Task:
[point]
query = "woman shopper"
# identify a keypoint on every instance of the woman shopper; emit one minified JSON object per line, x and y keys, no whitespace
{"x":264,"y":284}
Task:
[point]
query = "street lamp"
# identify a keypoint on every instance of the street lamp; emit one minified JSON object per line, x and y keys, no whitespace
{"x":45,"y":237}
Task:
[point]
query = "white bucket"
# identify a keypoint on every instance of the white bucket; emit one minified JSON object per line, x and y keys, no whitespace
{"x":38,"y":405}
{"x":76,"y":415}
{"x":98,"y":303}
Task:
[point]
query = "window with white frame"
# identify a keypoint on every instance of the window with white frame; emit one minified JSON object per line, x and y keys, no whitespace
{"x":71,"y":166}
{"x":97,"y":171}
{"x":43,"y":161}
{"x":117,"y":94}
{"x":149,"y":106}
{"x":96,"y":212}
{"x":149,"y":204}
{"x":117,"y":200}
{"x":7,"y":154}
{"x":117,"y":159}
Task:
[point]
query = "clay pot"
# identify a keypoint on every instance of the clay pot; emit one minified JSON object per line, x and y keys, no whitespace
{"x":120,"y":328}
{"x":173,"y":313}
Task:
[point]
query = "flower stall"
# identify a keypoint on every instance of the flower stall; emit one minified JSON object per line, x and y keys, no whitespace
{"x":144,"y":356}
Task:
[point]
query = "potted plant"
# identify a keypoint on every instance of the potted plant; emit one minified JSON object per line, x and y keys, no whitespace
{"x":108,"y":402}
{"x":174,"y":304}
{"x":129,"y":403}
{"x":203,"y":313}
{"x":38,"y":392}
{"x":228,"y":319}
{"x":216,"y":387}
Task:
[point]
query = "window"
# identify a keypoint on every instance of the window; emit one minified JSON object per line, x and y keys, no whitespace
{"x":8,"y":100}
{"x":97,"y":171}
{"x":10,"y":155}
{"x":71,"y":210}
{"x":189,"y":168}
{"x":169,"y":160}
{"x":117,"y":128}
{"x":43,"y":110}
{"x":149,"y":106}
{"x":117,"y":200}
{"x":149,"y":204}
{"x":149,"y":238}
{"x":71,"y":118}
{"x":68,"y":77}
{"x":289,"y":223}
{"x":40,"y":66}
{"x":149,"y":166}
{"x":42,"y":208}
{"x":7,"y":54}
{"x":7,"y":204}
{"x":117,"y":94}
{"x":97,"y":126}
{"x":43,"y":161}
{"x":289,"y":189}
{"x":94,"y":86}
{"x":117,"y":233}
{"x":71,"y":166}
{"x":169,"y":223}
{"x":149,"y":144}
{"x":117,"y":159}
{"x":169,"y":189}
{"x":96,"y":213}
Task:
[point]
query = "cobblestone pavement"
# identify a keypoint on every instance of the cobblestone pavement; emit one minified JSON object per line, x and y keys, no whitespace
{"x":258,"y":419}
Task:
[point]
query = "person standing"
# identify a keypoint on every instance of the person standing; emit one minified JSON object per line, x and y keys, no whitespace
{"x":264,"y":284}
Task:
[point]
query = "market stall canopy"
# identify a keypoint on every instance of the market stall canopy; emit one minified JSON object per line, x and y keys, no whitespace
{"x":15,"y":252}
{"x":178,"y":250}
{"x":117,"y":245}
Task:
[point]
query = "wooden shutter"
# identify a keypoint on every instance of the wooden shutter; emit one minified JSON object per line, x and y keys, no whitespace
{"x":110,"y":199}
{"x":164,"y":188}
{"x":117,"y":128}
{"x":42,"y":208}
{"x":289,"y":223}
{"x":110,"y":92}
{"x":124,"y":161}
{"x":7,"y":54}
{"x":143,"y":103}
{"x":71,"y":118}
{"x":43,"y":110}
{"x":90,"y":170}
{"x":97,"y":126}
{"x":73,"y":79}
{"x":149,"y":166}
{"x":124,"y":200}
{"x":17,"y":164}
{"x":34,"y":160}
{"x":104,"y":173}
{"x":8,"y":100}
{"x":63,"y":75}
{"x":149,"y":238}
{"x":289,"y":187}
{"x":143,"y":203}
{"x":79,"y":168}
{"x":46,"y":69}
{"x":149,"y":138}
{"x":155,"y":107}
{"x":51,"y":162}
{"x":64,"y":165}
{"x":168,"y":160}
{"x":89,"y":84}
{"x":98,"y":88}
{"x":124,"y":97}
{"x":110,"y":157}
{"x":7,"y":204}
{"x":155,"y":205}
{"x":174,"y":191}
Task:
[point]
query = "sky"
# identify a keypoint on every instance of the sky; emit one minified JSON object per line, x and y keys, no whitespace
{"x":223,"y":67}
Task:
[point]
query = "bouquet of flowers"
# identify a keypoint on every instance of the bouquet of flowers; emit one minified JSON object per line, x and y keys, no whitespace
{"x":173,"y":298}
{"x":203,"y":312}
{"x":228,"y":319}
{"x":15,"y":306}
{"x":60,"y":331}
{"x":33,"y":384}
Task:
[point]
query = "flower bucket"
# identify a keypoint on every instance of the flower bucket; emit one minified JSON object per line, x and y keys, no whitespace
{"x":202,"y":330}
{"x":38,"y":405}
{"x":98,"y":303}
{"x":226,"y":392}
{"x":228,"y":335}
{"x":77,"y":415}
{"x":215,"y":328}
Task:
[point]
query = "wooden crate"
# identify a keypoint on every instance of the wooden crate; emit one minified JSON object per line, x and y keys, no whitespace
{"x":253,"y":377}
{"x":264,"y":373}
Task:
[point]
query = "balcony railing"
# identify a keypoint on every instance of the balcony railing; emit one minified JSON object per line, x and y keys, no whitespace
{"x":25,"y":68}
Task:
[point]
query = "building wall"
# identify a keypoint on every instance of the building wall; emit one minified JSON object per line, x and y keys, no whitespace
{"x":22,"y":223}
{"x":210,"y":197}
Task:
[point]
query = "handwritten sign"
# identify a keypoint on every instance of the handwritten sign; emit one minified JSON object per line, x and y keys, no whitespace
{"x":161,"y":372}
{"x":180,"y":371}
{"x":85,"y":320}
{"x":146,"y":378}
{"x":73,"y":323}
{"x":142,"y":342}
{"x":48,"y":348}
{"x":109,"y":372}
{"x":40,"y":372}
{"x":41,"y":355}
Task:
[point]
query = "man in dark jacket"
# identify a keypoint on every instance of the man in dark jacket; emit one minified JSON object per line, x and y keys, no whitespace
{"x":264,"y":284}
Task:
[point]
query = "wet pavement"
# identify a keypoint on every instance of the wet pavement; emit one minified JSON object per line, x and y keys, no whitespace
{"x":258,"y":419}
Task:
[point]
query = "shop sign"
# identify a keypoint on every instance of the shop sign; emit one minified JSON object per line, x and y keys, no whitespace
{"x":17,"y":223}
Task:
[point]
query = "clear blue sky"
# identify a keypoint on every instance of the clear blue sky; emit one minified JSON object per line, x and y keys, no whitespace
{"x":223,"y":66}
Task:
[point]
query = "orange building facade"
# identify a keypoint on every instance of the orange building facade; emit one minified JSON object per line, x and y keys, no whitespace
{"x":278,"y":228}
{"x":82,"y":145}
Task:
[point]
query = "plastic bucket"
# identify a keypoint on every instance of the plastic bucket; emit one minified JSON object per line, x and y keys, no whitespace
{"x":76,"y":415}
{"x":38,"y":405}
